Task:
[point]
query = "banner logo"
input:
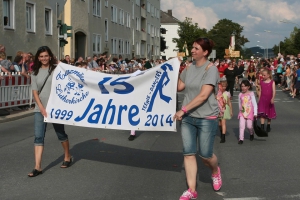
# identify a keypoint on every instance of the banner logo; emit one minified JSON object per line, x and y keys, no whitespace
{"x":71,"y":92}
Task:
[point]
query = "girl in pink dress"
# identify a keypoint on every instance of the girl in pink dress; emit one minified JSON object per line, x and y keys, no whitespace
{"x":266,"y":108}
{"x":247,"y":110}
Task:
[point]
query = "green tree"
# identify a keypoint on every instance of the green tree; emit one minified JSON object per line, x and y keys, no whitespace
{"x":221,"y":33}
{"x":188,"y":32}
{"x":290,"y":45}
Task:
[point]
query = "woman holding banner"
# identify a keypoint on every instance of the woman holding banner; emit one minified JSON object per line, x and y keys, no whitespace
{"x":199,"y":115}
{"x":41,"y":80}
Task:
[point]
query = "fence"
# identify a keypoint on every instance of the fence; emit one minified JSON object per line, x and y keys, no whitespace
{"x":15,"y":91}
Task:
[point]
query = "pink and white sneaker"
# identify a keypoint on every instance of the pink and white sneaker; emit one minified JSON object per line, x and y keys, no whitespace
{"x":217,"y":180}
{"x":188,"y":194}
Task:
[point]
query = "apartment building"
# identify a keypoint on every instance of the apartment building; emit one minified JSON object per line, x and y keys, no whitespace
{"x":170,"y":23}
{"x":130,"y":28}
{"x":28,"y":24}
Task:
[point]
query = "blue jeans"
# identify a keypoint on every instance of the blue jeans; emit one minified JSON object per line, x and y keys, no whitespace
{"x":40,"y":130}
{"x":198,"y":132}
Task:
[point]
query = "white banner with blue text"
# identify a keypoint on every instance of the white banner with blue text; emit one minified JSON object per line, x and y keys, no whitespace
{"x":144,"y":100}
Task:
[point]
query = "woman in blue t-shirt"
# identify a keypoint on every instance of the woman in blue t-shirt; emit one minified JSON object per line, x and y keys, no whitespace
{"x":279,"y":72}
{"x":297,"y":81}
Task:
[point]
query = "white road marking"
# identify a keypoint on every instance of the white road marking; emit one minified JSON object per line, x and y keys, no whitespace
{"x":221,"y":193}
{"x":291,"y":196}
{"x":245,"y":198}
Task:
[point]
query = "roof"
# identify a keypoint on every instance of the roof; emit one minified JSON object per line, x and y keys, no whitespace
{"x":167,"y":18}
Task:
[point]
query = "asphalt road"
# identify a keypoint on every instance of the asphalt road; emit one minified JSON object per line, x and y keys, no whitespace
{"x":107,"y":166}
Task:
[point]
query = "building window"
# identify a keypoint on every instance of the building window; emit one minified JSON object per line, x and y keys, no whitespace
{"x":152,"y":10}
{"x":128,"y":20}
{"x":106,"y":30}
{"x":30,"y":17}
{"x":106,"y":3}
{"x":132,"y":36}
{"x":148,"y":7}
{"x":48,"y":21}
{"x":128,"y":48}
{"x":138,"y":48}
{"x":114,"y":14}
{"x":114,"y":46}
{"x":96,"y":43}
{"x":121,"y":17}
{"x":137,"y":2}
{"x":132,"y":10}
{"x":149,"y":29}
{"x":138,"y":24}
{"x":8,"y":13}
{"x":120,"y":46}
{"x":152,"y":30}
{"x":97,"y":8}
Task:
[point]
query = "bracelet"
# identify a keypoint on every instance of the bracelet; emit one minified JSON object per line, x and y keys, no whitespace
{"x":183,"y":108}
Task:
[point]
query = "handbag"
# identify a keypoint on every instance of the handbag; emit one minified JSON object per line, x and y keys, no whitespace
{"x":44,"y":84}
{"x":258,"y":131}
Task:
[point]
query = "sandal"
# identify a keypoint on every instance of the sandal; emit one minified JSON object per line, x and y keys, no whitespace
{"x":67,"y":164}
{"x":35,"y":173}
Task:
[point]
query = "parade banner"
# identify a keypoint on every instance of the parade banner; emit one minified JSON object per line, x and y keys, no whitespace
{"x":144,"y":100}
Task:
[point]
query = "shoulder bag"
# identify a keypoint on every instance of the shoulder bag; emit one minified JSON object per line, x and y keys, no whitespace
{"x":44,"y":83}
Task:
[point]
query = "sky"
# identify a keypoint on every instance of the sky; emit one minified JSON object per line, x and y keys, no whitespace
{"x":255,"y":16}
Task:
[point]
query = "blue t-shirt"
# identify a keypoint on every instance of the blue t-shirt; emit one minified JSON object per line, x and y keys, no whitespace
{"x":279,"y":68}
{"x":298,"y":75}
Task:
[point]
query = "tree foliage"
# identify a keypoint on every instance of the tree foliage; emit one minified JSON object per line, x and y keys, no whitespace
{"x":188,"y":32}
{"x":221,"y":34}
{"x":291,"y":45}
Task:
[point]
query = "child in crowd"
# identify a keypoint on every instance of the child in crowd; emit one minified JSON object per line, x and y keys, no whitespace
{"x":247,"y":110}
{"x":257,"y":81}
{"x":266,"y":108}
{"x":225,"y":107}
{"x":132,"y":135}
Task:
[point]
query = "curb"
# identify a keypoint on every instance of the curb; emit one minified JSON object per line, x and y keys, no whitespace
{"x":16,"y":116}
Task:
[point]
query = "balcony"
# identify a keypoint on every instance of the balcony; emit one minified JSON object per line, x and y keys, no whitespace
{"x":143,"y":36}
{"x":143,"y":13}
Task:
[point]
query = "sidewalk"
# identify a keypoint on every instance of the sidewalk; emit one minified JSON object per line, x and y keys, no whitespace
{"x":15,"y":115}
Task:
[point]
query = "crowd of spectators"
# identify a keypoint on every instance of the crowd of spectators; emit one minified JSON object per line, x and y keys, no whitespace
{"x":23,"y":62}
{"x":112,"y":65}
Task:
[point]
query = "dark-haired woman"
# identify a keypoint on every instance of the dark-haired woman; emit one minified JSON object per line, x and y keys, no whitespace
{"x":41,"y":79}
{"x":199,"y":115}
{"x":230,"y":77}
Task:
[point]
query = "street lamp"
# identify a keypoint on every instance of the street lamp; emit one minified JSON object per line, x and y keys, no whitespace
{"x":275,"y":33}
{"x":288,"y":22}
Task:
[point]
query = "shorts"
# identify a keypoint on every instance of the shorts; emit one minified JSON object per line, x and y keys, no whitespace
{"x":198,"y":135}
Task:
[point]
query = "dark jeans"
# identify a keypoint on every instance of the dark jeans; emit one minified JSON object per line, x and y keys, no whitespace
{"x":230,"y":86}
{"x":40,"y":130}
{"x":279,"y":78}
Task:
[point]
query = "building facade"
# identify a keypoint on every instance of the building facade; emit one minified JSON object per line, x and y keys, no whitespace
{"x":130,"y":28}
{"x":28,"y":24}
{"x":170,"y":23}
